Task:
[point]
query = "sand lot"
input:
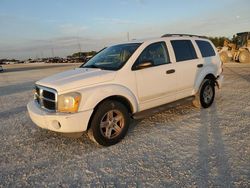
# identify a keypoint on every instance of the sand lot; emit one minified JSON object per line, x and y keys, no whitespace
{"x":180,"y":147}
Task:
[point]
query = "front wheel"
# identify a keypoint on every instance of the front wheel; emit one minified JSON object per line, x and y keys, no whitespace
{"x":206,"y":94}
{"x":109,"y":124}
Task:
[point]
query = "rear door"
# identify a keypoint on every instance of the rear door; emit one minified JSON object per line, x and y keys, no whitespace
{"x":210,"y":61}
{"x":187,"y":65}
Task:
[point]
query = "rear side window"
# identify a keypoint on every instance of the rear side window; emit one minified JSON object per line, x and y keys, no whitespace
{"x":205,"y":48}
{"x":184,"y":50}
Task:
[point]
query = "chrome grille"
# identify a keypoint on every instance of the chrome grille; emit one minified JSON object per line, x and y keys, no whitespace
{"x":46,"y":98}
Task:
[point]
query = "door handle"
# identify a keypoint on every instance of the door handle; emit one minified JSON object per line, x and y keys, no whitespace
{"x":170,"y":71}
{"x":200,"y":65}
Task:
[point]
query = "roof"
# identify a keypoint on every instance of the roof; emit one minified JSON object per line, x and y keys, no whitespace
{"x":183,"y":35}
{"x":163,"y":36}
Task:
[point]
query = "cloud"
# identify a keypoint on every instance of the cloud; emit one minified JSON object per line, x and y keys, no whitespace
{"x":62,"y":46}
{"x":71,"y":29}
{"x":51,"y":21}
{"x":127,"y":2}
{"x":142,"y":2}
{"x":114,"y":21}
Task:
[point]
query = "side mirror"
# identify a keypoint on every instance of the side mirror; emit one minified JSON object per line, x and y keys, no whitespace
{"x":145,"y":64}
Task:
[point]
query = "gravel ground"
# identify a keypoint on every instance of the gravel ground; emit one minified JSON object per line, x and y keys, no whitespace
{"x":180,"y":147}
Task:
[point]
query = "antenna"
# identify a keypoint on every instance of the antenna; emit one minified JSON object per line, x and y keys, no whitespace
{"x":52,"y":52}
{"x":79,"y":44}
{"x":128,"y":36}
{"x":41,"y":54}
{"x":52,"y":49}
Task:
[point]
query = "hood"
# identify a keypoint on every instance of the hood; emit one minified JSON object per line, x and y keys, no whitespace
{"x":76,"y":78}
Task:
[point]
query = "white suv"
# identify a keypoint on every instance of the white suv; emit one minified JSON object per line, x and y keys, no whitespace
{"x":100,"y":96}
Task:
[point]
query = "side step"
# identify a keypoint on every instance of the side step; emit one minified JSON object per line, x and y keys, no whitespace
{"x":158,"y":109}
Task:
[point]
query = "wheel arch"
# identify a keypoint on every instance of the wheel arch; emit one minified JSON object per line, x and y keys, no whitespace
{"x":208,"y":75}
{"x":120,"y":99}
{"x":92,"y":96}
{"x":245,"y":48}
{"x":117,"y":98}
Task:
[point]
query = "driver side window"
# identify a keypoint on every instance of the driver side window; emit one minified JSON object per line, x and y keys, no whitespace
{"x":155,"y":53}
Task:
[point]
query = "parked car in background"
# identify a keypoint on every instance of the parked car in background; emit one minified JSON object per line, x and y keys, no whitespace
{"x":1,"y":68}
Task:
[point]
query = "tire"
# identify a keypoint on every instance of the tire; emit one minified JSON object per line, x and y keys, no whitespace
{"x":109,"y":124}
{"x":244,"y":57}
{"x":205,"y":96}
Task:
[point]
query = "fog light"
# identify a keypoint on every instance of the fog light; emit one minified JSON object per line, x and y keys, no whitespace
{"x":56,"y":124}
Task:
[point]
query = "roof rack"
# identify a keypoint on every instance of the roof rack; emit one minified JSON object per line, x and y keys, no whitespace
{"x":183,"y":35}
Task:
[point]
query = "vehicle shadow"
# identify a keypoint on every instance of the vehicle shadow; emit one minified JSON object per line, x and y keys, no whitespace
{"x":83,"y":143}
{"x":16,"y":88}
{"x":9,"y":113}
{"x":34,"y":67}
{"x":166,"y":113}
{"x":245,"y":77}
{"x":213,"y":162}
{"x":69,"y":146}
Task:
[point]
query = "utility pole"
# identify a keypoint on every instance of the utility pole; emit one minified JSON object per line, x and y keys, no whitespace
{"x":52,"y":52}
{"x":41,"y":54}
{"x":128,"y":36}
{"x":79,"y":46}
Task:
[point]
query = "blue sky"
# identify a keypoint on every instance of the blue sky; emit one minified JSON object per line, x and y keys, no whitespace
{"x":32,"y":28}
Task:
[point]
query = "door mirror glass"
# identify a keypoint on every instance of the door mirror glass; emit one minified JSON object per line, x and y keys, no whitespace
{"x":145,"y":64}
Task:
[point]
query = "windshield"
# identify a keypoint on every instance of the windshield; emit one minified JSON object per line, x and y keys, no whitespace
{"x":112,"y":58}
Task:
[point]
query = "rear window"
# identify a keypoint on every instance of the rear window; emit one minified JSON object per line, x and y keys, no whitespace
{"x":184,"y":50}
{"x":205,"y":48}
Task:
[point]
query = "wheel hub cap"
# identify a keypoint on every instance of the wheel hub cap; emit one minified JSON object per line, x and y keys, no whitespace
{"x":112,"y":124}
{"x":208,"y":94}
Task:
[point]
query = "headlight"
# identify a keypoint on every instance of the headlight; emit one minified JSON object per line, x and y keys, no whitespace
{"x":69,"y":102}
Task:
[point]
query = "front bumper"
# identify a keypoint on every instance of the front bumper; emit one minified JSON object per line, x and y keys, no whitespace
{"x":59,"y":122}
{"x":219,"y":81}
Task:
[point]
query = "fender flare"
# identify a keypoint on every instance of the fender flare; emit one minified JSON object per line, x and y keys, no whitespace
{"x":91,"y":97}
{"x":202,"y":76}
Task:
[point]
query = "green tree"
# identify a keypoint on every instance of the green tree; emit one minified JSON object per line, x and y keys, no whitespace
{"x":218,"y":41}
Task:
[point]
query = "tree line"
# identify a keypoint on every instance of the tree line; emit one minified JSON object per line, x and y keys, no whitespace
{"x":83,"y":54}
{"x":218,"y":41}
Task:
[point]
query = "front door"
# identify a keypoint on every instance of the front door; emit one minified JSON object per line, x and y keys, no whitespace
{"x":155,"y":76}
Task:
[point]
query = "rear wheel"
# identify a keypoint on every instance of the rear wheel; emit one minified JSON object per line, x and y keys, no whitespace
{"x":205,"y":97}
{"x":244,"y":56}
{"x":110,"y":123}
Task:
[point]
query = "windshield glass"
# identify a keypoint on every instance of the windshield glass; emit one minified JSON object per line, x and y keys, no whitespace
{"x":239,"y":41}
{"x":112,"y":58}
